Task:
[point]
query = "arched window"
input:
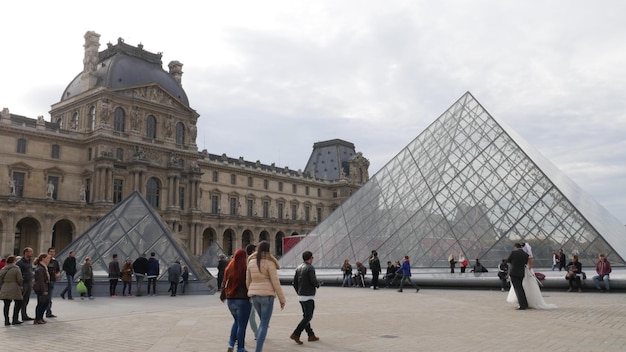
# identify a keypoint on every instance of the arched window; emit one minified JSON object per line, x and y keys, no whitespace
{"x":180,"y":133}
{"x":152,"y":192}
{"x":120,"y":120}
{"x":151,"y":126}
{"x":91,"y":120}
{"x":60,"y":123}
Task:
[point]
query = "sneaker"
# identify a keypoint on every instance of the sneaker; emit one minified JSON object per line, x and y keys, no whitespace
{"x":570,"y":290}
{"x":399,"y":290}
{"x":62,"y":295}
{"x":92,"y":297}
{"x":51,"y":316}
{"x":580,"y":290}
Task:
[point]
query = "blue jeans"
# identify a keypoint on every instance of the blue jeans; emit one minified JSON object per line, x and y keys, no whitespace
{"x":68,"y":288}
{"x":264,"y":305}
{"x":408,"y":278}
{"x":605,"y":278}
{"x":240,"y":310}
{"x":49,"y":306}
{"x":347,"y":280}
{"x":253,"y":325}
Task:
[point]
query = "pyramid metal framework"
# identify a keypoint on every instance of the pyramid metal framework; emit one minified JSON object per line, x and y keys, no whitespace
{"x":210,"y":257}
{"x":130,"y":229}
{"x":467,"y":184}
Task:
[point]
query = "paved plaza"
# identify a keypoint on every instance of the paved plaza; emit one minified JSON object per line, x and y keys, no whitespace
{"x":346,"y":319}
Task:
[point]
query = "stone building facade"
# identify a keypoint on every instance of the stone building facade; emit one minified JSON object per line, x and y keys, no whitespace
{"x":124,"y":123}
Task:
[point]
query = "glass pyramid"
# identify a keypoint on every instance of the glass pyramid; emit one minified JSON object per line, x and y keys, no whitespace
{"x":210,"y":257}
{"x":130,"y":229}
{"x":467,"y":184}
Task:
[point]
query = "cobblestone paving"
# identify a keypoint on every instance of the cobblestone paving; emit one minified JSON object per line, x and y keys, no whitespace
{"x":346,"y":319}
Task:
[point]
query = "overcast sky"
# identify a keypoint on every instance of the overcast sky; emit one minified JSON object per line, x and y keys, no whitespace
{"x":270,"y":78}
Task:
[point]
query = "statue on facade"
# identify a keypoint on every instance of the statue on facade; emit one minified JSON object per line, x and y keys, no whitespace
{"x":169,"y":126}
{"x":134,"y":118}
{"x":11,"y":187}
{"x":83,"y":193}
{"x":105,"y":113}
{"x":193,"y":132}
{"x":50,"y":190}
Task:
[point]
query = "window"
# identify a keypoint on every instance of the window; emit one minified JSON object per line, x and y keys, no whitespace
{"x":89,"y":154}
{"x":294,"y":188}
{"x":53,"y":186}
{"x":215,"y":202}
{"x":21,"y":146}
{"x":233,"y":179}
{"x":266,"y":184}
{"x":233,"y":205}
{"x":319,"y":214}
{"x":151,"y":126}
{"x":266,"y":209}
{"x":281,"y":210}
{"x":91,"y":120}
{"x":335,"y":193}
{"x":215,"y":176}
{"x":60,"y":123}
{"x":319,"y":192}
{"x":180,"y":133}
{"x":181,"y":198}
{"x":250,"y":181}
{"x":306,"y":190}
{"x":280,"y":186}
{"x":118,"y":188}
{"x":120,"y":120}
{"x":56,"y":150}
{"x":74,"y":123}
{"x":18,"y":179}
{"x":250,"y":207}
{"x":119,"y":154}
{"x":294,"y":212}
{"x":307,"y":213}
{"x":152,"y":192}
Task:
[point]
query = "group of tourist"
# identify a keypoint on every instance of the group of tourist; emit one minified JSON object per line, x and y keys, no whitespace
{"x":22,"y":275}
{"x":396,"y":275}
{"x":19,"y":276}
{"x":249,"y":285}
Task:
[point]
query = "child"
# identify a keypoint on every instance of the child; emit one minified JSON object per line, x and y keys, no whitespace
{"x":185,"y":277}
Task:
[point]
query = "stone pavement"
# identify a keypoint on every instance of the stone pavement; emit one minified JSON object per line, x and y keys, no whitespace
{"x":346,"y":319}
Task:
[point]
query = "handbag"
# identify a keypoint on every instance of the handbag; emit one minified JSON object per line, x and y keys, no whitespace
{"x":81,"y":287}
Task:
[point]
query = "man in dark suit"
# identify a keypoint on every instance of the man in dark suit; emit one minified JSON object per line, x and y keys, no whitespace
{"x":518,"y":259}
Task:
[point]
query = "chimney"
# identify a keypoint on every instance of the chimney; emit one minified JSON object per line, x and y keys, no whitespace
{"x":90,"y":61}
{"x":176,"y":71}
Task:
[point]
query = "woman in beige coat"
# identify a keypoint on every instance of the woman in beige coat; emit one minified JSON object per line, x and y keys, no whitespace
{"x":263,"y":286}
{"x":11,"y":281}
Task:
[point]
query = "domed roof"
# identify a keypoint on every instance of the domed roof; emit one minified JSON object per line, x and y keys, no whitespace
{"x":123,"y":65}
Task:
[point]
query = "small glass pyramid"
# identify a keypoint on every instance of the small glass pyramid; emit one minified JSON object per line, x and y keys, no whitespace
{"x":130,"y":229}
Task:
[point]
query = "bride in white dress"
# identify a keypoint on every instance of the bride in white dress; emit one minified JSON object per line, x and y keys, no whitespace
{"x":531,"y":286}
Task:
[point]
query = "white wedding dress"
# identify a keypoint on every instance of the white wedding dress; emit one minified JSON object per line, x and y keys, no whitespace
{"x":533,"y":293}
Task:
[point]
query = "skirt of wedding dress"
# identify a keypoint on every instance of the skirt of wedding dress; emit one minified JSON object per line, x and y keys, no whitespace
{"x":533,"y":293}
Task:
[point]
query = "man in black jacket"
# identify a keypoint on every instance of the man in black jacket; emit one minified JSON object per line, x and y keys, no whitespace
{"x":305,"y":282}
{"x":518,"y":260}
{"x":69,"y":266}
{"x":140,"y":268}
{"x":26,"y":266}
{"x":375,"y":269}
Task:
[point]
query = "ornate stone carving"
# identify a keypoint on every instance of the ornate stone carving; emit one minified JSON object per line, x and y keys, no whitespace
{"x":134,"y":118}
{"x":105,"y":112}
{"x":169,"y":126}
